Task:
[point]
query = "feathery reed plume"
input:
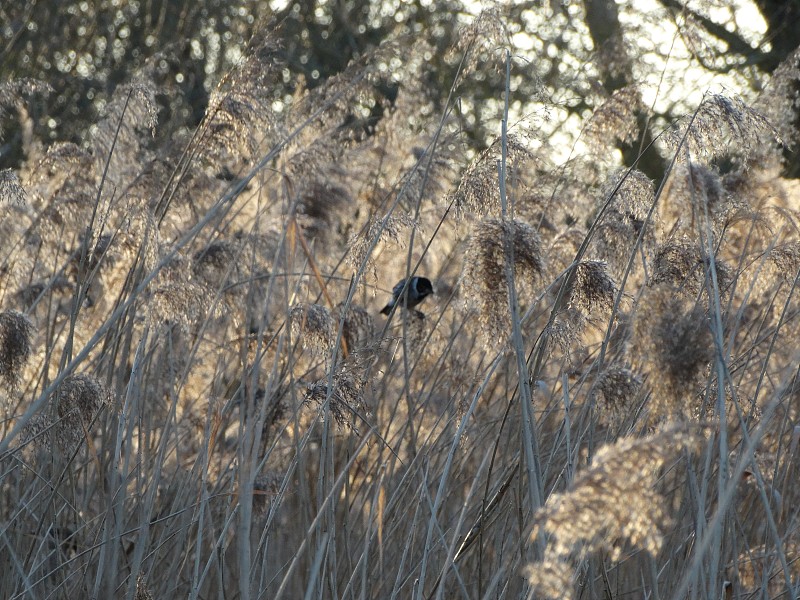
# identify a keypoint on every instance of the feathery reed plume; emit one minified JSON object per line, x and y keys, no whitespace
{"x":478,"y":191}
{"x":11,"y":189}
{"x":786,"y":260}
{"x":616,"y":389}
{"x":484,"y":282}
{"x":315,"y":328}
{"x":694,"y":191}
{"x":358,"y":327}
{"x":132,"y":110}
{"x":15,"y":91}
{"x":431,"y":174}
{"x":613,"y":505}
{"x":215,"y":264}
{"x":616,"y":118}
{"x":672,"y":341}
{"x":319,"y":203}
{"x":142,"y":591}
{"x":345,"y":96}
{"x":388,"y":228}
{"x":590,"y":297}
{"x":778,"y":101}
{"x":16,"y":331}
{"x":347,"y":403}
{"x":699,"y":184}
{"x":179,"y":302}
{"x":480,"y":42}
{"x":136,"y":230}
{"x":563,"y":250}
{"x":634,"y":194}
{"x":565,"y":329}
{"x":417,"y":330}
{"x":239,"y":117}
{"x":64,"y":185}
{"x":76,"y":402}
{"x":720,"y":126}
{"x":707,"y":49}
{"x":614,"y":240}
{"x":622,"y":222}
{"x":676,"y":263}
{"x":551,"y":577}
{"x":592,"y":288}
{"x":683,"y":266}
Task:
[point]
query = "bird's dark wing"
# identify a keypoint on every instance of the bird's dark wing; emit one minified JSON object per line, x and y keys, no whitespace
{"x":398,"y":288}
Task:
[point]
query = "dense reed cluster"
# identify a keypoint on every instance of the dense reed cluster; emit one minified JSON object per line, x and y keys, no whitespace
{"x":199,"y":392}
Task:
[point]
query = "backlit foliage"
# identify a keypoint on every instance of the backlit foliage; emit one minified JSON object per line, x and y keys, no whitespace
{"x":200,"y":396}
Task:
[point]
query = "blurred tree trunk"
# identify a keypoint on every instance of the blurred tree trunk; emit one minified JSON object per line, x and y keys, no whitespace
{"x":783,"y":29}
{"x":616,"y":72}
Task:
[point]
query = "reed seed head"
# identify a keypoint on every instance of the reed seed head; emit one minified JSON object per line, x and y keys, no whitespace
{"x":16,"y":331}
{"x":721,"y":125}
{"x":592,"y":288}
{"x":672,"y":340}
{"x":614,"y":500}
{"x":315,"y":328}
{"x":617,"y":389}
{"x":485,"y":283}
{"x":358,"y":328}
{"x":77,"y":400}
{"x":142,"y":591}
{"x":616,"y":118}
{"x":346,"y":392}
{"x":479,"y":191}
{"x":11,"y":190}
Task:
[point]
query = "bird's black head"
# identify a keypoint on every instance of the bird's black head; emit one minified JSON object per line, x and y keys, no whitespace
{"x":424,"y":287}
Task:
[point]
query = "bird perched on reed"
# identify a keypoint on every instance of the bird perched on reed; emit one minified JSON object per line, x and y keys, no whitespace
{"x":417,"y":290}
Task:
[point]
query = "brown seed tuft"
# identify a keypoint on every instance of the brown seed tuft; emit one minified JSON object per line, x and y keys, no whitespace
{"x":479,"y":190}
{"x":180,"y":303}
{"x":786,"y":259}
{"x":616,"y":119}
{"x":683,"y":265}
{"x":358,"y":327}
{"x":592,"y":289}
{"x":314,"y":326}
{"x":11,"y":189}
{"x":603,"y":507}
{"x":76,"y":402}
{"x":16,"y":331}
{"x":672,"y":341}
{"x":485,"y":282}
{"x":616,"y":391}
{"x":634,"y":193}
{"x":389,"y":228}
{"x":551,"y":577}
{"x":81,"y":397}
{"x":347,"y":404}
{"x":142,"y":591}
{"x":215,"y":264}
{"x":721,"y":125}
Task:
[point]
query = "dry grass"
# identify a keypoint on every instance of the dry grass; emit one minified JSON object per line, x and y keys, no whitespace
{"x":201,"y":400}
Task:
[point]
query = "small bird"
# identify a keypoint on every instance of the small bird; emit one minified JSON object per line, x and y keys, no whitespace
{"x":418,"y":289}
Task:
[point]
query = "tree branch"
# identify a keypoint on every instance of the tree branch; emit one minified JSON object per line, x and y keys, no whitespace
{"x":736,"y":43}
